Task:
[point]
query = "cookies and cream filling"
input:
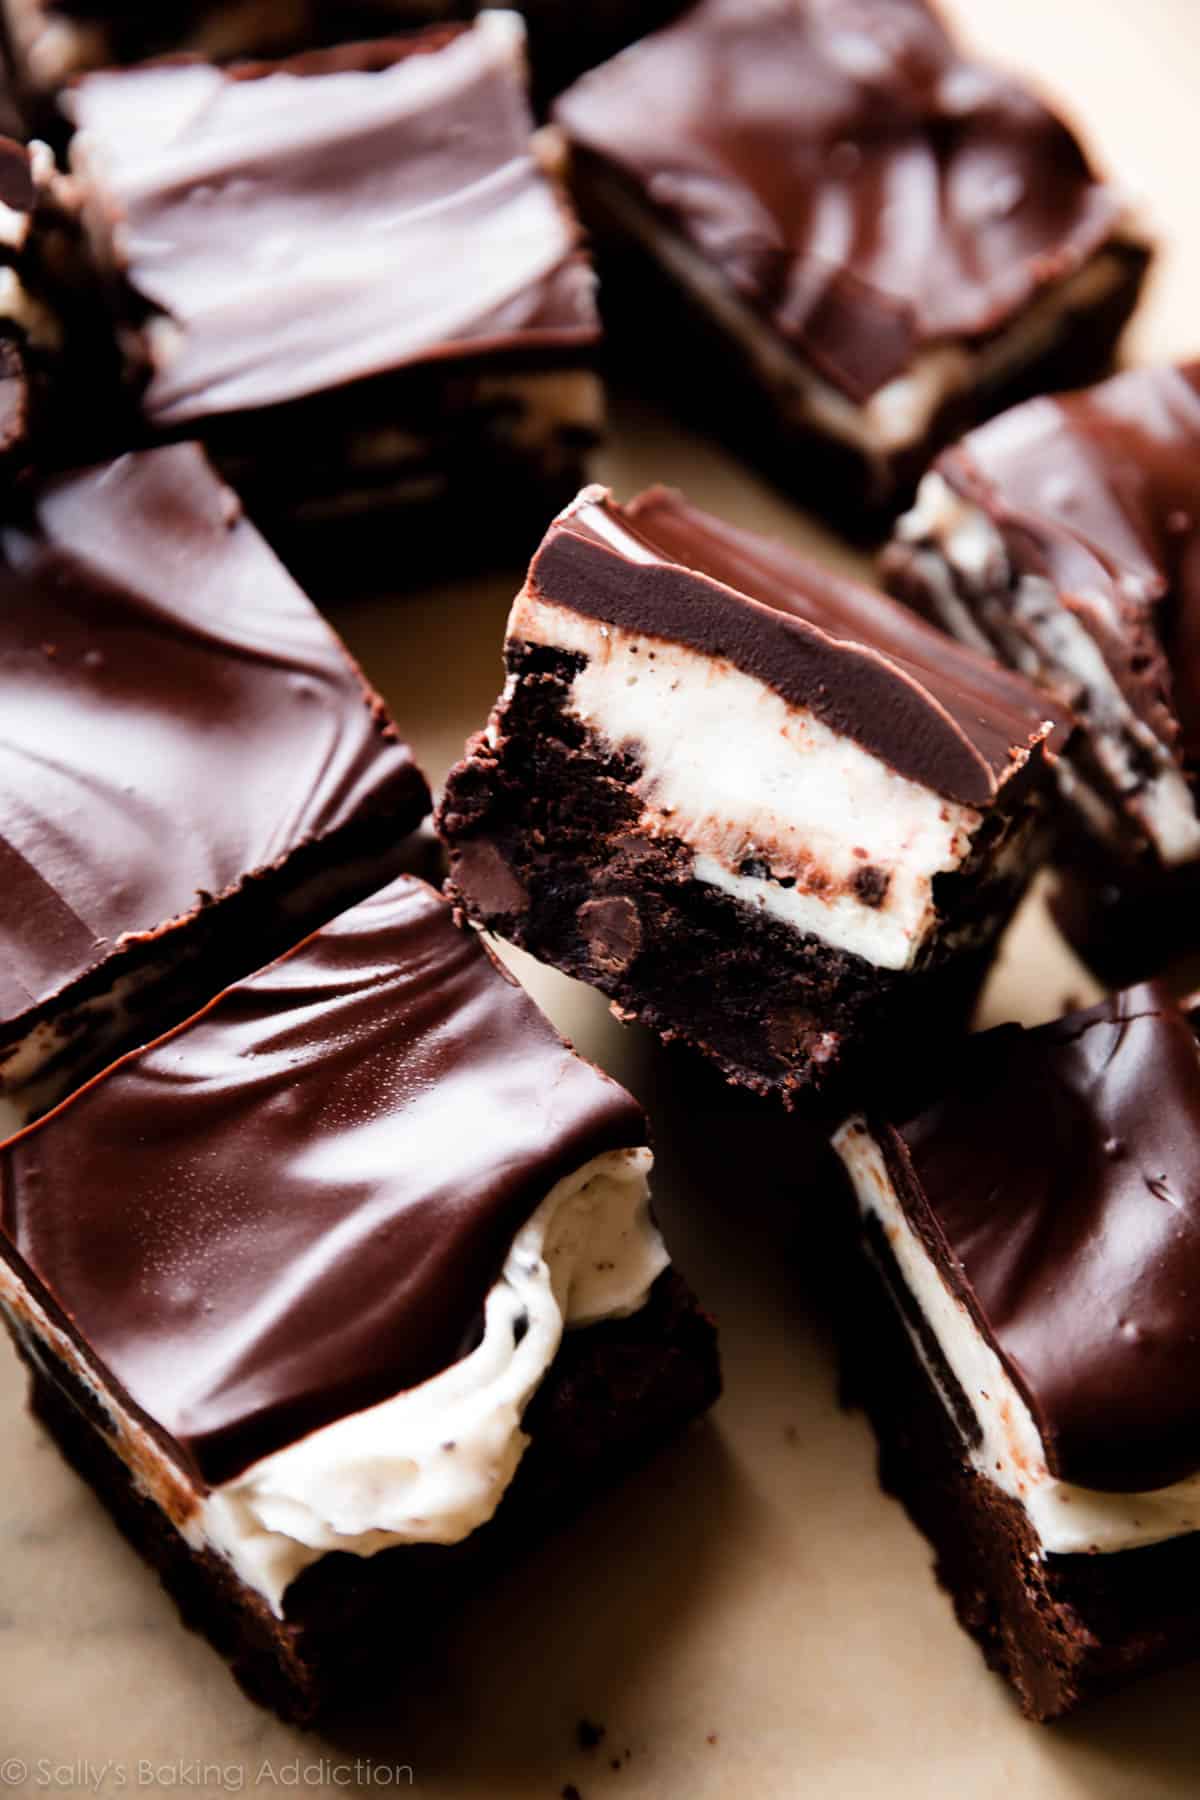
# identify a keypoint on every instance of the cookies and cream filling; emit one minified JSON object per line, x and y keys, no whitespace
{"x":983,"y":601}
{"x":430,"y":1465}
{"x":778,"y":810}
{"x":1009,"y":1452}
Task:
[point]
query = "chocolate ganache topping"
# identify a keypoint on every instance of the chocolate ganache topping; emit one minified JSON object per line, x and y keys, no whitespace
{"x":1099,"y":492}
{"x":868,"y":668}
{"x":1057,"y":1186}
{"x":174,"y":716}
{"x":306,"y":224}
{"x":862,"y":185}
{"x":293,"y":1206}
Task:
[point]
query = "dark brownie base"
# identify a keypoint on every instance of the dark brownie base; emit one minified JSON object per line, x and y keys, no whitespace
{"x":180,"y":967}
{"x":1062,"y":1630}
{"x":347,"y":515}
{"x":666,"y":348}
{"x":544,"y":850}
{"x":615,"y":1393}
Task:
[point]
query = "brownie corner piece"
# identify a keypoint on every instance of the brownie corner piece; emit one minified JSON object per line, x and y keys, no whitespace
{"x":194,"y":772}
{"x":1062,"y":537}
{"x":840,"y":283}
{"x":1024,"y":1341}
{"x":434,"y":1323}
{"x":758,"y":806}
{"x":433,"y":345}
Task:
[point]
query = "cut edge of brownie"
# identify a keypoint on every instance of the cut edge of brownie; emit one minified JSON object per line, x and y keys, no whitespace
{"x":540,"y":828}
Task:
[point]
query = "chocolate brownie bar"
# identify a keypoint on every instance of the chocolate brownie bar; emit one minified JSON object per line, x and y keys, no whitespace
{"x":1035,"y":1378}
{"x":351,"y":275}
{"x":840,"y":239}
{"x":344,"y":1286}
{"x":1064,"y":537}
{"x":764,"y":809}
{"x":193,"y":771}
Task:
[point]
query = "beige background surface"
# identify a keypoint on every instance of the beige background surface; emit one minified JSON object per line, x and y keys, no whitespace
{"x":750,"y":1618}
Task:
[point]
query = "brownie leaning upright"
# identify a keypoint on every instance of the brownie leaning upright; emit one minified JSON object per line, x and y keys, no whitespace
{"x":352,"y":276}
{"x":841,"y":239}
{"x":1064,"y":536}
{"x":1026,"y":1342}
{"x":766,"y":810}
{"x":193,"y":771}
{"x":345,"y":1290}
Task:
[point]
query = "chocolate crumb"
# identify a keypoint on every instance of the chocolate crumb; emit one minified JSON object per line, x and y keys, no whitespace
{"x":588,"y":1734}
{"x":571,"y":1792}
{"x":711,"y":1738}
{"x":871,"y":884}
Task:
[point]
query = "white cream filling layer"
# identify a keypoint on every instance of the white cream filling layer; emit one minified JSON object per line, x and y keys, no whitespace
{"x":1054,"y":647}
{"x":900,"y":414}
{"x":1067,"y":1520}
{"x":740,"y":776}
{"x":430,"y":1465}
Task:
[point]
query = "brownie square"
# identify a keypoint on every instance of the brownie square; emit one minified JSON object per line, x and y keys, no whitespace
{"x":1064,"y":537}
{"x":352,"y":275}
{"x":193,"y":770}
{"x":839,"y":241}
{"x":343,"y":1288}
{"x":1025,"y":1339}
{"x":764,"y":809}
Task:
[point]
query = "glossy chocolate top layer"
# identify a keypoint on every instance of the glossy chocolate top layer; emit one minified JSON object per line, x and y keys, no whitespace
{"x":866,"y":666}
{"x":1057,"y":1185}
{"x":293,"y":1206}
{"x":1100,"y":493}
{"x":853,"y":177}
{"x":299,"y":226}
{"x":174,"y":716}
